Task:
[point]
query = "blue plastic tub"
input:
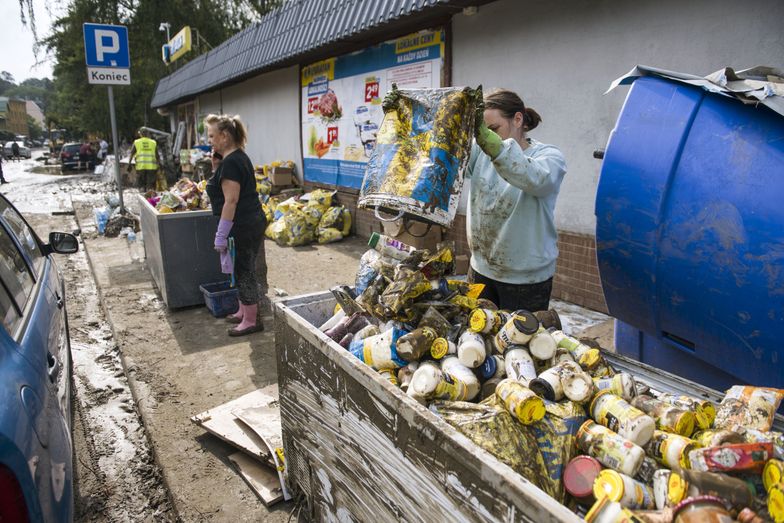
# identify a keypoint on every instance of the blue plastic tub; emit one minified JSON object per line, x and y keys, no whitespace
{"x":221,"y":299}
{"x":690,"y":234}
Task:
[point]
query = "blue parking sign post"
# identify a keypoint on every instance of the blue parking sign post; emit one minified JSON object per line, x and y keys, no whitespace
{"x":108,"y":62}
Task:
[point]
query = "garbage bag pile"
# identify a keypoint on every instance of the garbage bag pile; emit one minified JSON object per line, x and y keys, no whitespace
{"x":552,"y":407}
{"x":307,"y":218}
{"x":185,"y":195}
{"x":110,"y":221}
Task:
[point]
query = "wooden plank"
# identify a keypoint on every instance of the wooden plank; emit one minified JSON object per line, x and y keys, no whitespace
{"x":265,"y":422}
{"x":220,"y":422}
{"x":261,"y":479}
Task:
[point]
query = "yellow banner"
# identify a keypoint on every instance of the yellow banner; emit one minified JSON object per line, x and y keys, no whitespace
{"x":322,"y":68}
{"x":416,"y":41}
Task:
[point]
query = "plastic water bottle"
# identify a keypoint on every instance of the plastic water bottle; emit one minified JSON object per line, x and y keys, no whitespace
{"x":134,"y":247}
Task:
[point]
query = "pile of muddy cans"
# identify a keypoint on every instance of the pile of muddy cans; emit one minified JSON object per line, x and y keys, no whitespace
{"x":641,"y":454}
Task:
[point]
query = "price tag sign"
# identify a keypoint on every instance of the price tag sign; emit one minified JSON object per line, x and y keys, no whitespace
{"x":332,"y":134}
{"x":371,"y":91}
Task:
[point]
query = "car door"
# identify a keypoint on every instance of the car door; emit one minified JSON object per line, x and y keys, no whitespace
{"x":40,"y":337}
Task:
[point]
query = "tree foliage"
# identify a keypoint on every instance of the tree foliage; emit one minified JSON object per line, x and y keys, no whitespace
{"x":83,"y":108}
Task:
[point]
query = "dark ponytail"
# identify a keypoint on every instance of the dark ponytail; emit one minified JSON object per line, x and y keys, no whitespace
{"x":509,"y":104}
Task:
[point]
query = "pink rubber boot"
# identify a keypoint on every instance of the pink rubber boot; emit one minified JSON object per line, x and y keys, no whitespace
{"x":237,"y":316}
{"x":248,"y":324}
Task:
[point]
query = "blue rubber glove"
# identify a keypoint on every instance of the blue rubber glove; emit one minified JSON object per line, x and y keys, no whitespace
{"x":222,"y":235}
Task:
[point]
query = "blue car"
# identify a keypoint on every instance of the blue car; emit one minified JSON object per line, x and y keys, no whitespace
{"x":36,"y":463}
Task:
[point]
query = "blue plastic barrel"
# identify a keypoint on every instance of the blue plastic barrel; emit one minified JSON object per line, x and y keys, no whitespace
{"x":690,"y":234}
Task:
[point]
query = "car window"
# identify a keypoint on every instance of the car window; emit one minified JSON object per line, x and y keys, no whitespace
{"x":14,"y":271}
{"x":24,"y":234}
{"x":8,"y":313}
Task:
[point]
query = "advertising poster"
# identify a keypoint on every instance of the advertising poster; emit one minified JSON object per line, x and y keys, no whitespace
{"x":341,"y":102}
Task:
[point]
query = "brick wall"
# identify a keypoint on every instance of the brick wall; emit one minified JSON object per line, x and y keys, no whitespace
{"x":576,"y":276}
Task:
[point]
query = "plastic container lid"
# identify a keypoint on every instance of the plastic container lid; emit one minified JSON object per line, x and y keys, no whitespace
{"x":525,"y":322}
{"x":776,"y":502}
{"x":579,"y":476}
{"x":478,"y":320}
{"x":608,"y":483}
{"x":530,"y":410}
{"x":771,"y":474}
{"x":542,"y":388}
{"x":685,"y":424}
{"x":676,"y":488}
{"x":489,"y":367}
{"x":439,"y":348}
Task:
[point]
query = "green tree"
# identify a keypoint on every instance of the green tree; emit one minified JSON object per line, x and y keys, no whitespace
{"x":35,"y":130}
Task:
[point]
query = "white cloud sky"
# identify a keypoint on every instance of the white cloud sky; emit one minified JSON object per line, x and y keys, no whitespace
{"x":16,"y":41}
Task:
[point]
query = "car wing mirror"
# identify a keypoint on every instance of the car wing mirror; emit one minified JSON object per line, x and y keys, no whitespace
{"x":63,"y":242}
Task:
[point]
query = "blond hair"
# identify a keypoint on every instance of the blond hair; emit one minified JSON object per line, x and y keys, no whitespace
{"x":230,"y":124}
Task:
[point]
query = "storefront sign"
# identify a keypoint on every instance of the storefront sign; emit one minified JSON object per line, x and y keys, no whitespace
{"x":341,"y":102}
{"x":177,"y":46}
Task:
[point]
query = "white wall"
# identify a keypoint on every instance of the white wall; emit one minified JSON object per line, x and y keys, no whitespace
{"x":268,"y":104}
{"x":561,"y":56}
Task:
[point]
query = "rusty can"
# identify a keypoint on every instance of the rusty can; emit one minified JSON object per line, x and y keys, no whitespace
{"x":618,"y":415}
{"x":702,"y":509}
{"x":668,"y":417}
{"x":610,"y":449}
{"x":627,"y":491}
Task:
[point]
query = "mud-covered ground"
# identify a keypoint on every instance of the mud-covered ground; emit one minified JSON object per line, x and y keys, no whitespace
{"x":116,"y":476}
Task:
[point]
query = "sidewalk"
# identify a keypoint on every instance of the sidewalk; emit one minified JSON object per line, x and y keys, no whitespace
{"x":180,"y":363}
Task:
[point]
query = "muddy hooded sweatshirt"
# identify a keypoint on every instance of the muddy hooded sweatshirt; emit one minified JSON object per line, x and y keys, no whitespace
{"x":511,"y":211}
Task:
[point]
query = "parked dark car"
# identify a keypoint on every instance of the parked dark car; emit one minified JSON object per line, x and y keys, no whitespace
{"x":70,"y":158}
{"x":36,"y":449}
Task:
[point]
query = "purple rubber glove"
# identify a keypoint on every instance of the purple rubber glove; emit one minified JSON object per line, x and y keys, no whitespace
{"x":227,"y":264}
{"x":222,"y":235}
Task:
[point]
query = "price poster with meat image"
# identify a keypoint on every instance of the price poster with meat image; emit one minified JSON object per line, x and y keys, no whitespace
{"x":341,"y":102}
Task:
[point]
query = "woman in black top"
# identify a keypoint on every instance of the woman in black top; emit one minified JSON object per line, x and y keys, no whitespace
{"x":232,"y":192}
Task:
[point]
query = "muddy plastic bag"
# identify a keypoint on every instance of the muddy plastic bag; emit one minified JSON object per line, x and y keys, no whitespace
{"x":751,"y":407}
{"x":490,"y":426}
{"x":556,"y":436}
{"x":421,"y":154}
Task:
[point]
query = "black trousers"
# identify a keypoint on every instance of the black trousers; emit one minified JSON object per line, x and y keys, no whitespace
{"x":247,"y":240}
{"x":509,"y":296}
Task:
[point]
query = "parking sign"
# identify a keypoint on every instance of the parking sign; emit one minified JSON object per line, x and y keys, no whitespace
{"x":106,"y":54}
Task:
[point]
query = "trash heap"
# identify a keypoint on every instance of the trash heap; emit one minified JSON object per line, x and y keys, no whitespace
{"x":552,"y":407}
{"x":301,"y":220}
{"x":185,"y":195}
{"x":110,"y":221}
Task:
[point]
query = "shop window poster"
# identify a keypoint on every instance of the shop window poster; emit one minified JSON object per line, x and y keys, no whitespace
{"x":341,"y":102}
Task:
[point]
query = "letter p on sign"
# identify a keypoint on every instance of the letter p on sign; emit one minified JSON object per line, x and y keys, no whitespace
{"x":106,"y":42}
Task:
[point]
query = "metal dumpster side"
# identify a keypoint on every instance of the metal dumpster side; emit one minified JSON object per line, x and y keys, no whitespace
{"x":180,"y":253}
{"x":359,"y":449}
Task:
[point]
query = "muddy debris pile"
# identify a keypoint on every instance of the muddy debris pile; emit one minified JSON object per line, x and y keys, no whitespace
{"x":602,"y":442}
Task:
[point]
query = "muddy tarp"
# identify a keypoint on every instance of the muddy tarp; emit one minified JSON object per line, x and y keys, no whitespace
{"x":421,"y":153}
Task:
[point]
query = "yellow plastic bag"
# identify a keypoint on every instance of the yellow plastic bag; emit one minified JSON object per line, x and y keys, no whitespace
{"x":329,"y":235}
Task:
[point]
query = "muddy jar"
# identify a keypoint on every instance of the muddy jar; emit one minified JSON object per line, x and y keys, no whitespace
{"x":702,"y":509}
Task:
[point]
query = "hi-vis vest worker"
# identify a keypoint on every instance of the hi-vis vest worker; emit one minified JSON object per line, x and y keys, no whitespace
{"x":146,"y":157}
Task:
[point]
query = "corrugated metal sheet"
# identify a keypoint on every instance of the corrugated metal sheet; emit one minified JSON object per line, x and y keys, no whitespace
{"x":296,"y":28}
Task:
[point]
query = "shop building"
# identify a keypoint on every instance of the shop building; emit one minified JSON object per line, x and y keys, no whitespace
{"x":560,"y":57}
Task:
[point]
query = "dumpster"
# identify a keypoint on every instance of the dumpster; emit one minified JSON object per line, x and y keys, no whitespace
{"x":180,"y":253}
{"x":359,"y":449}
{"x":689,"y":234}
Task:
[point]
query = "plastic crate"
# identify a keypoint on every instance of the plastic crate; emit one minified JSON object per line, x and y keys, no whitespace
{"x":221,"y":298}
